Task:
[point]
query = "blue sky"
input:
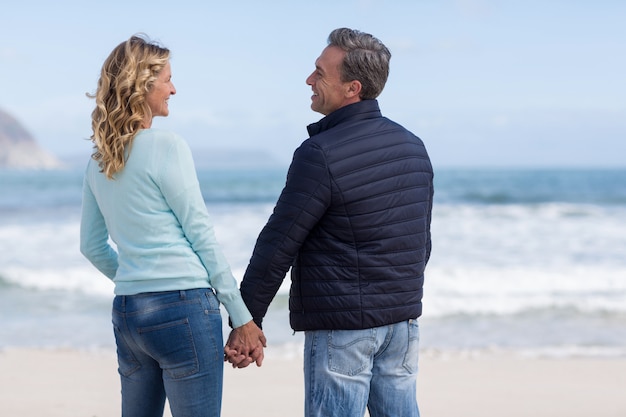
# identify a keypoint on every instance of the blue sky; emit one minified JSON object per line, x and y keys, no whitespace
{"x":484,"y":83}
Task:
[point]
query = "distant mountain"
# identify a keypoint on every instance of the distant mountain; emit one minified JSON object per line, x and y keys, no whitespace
{"x":18,"y":149}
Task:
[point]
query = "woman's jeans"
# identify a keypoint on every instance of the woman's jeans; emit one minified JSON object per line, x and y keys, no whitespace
{"x":170,"y":344}
{"x":346,"y":371}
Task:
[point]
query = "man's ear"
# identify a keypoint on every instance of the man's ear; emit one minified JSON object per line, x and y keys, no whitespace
{"x":354,"y":89}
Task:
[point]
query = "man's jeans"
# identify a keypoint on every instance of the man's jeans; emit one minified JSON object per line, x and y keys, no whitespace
{"x":347,"y":370}
{"x":170,"y":343}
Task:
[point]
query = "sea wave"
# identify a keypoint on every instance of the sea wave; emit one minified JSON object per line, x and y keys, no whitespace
{"x":528,"y":260}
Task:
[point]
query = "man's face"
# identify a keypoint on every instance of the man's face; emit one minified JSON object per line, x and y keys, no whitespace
{"x":329,"y":92}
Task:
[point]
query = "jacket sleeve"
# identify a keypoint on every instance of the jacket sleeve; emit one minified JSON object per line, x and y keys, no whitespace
{"x":302,"y":202}
{"x":431,"y":193}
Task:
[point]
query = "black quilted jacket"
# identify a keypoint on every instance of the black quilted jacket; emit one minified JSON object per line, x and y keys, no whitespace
{"x":353,"y":223}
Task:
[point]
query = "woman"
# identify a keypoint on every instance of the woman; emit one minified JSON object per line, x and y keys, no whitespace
{"x":141,"y":192}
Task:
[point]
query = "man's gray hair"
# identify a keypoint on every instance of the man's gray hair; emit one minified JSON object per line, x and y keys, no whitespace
{"x":366,"y":60}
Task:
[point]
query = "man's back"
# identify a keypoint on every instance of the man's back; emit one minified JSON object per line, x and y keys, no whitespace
{"x":355,"y":218}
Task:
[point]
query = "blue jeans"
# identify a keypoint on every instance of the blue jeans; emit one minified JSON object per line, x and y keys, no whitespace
{"x":346,"y":371}
{"x":170,"y":344}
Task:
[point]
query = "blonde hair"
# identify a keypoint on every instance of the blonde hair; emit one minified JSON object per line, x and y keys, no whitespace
{"x":126,"y":77}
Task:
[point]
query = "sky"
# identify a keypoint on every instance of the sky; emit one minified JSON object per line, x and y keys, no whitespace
{"x":484,"y":83}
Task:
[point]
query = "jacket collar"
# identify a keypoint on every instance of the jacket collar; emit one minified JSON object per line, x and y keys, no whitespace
{"x":365,"y":109}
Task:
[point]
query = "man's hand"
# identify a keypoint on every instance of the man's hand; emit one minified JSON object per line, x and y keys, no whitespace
{"x":245,"y":346}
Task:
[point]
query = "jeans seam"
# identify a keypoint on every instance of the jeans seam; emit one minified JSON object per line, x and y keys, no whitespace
{"x":129,"y":357}
{"x":213,"y":302}
{"x":412,"y":348}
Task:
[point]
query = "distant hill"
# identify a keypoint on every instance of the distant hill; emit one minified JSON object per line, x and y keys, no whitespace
{"x":18,"y":149}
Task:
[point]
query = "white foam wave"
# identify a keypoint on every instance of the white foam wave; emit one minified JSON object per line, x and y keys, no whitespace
{"x":498,"y":260}
{"x":450,"y":291}
{"x":76,"y":279}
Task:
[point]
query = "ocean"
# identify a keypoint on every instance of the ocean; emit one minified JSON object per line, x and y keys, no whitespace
{"x":525,"y":260}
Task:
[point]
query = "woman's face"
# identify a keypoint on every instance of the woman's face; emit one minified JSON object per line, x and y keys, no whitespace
{"x":160,"y":92}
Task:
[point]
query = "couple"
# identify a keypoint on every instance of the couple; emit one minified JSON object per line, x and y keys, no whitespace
{"x":352,"y":222}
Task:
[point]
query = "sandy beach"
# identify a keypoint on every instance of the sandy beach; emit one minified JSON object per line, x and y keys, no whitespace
{"x":65,"y":383}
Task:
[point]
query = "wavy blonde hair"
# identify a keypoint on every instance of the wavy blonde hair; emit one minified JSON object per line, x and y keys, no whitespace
{"x":126,"y":77}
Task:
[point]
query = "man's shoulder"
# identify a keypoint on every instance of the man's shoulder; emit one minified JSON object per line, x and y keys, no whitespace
{"x":356,"y":128}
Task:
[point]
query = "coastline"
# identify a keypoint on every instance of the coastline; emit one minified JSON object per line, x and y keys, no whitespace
{"x":67,"y":383}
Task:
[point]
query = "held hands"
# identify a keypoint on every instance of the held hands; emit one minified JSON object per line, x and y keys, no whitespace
{"x":245,"y":346}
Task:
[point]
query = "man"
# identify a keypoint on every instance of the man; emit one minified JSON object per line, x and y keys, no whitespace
{"x":353,"y":223}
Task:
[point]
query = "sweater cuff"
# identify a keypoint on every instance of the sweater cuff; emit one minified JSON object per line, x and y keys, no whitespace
{"x":238,"y":313}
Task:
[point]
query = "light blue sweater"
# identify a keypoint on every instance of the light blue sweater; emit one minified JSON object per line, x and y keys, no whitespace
{"x":154,"y":213}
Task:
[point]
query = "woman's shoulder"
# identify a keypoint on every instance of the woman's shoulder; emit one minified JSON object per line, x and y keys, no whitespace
{"x":160,"y":139}
{"x":160,"y":135}
{"x":159,"y":146}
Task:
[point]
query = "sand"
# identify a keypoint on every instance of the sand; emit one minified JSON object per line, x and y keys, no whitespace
{"x":67,"y":383}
